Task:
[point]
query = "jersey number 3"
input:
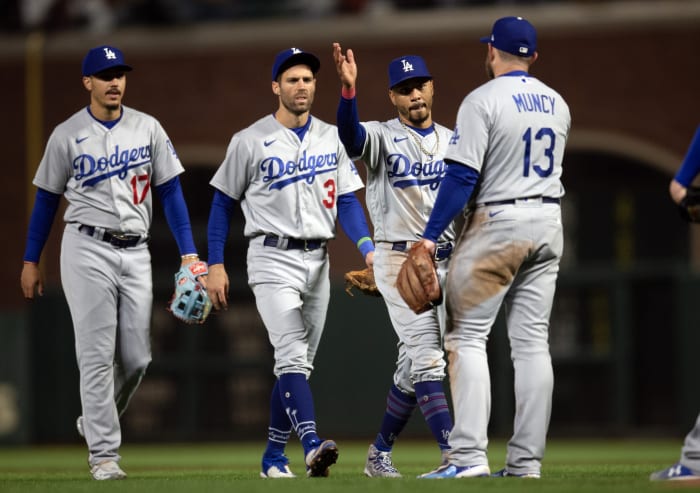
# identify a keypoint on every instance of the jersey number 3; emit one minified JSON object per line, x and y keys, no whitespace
{"x":329,"y":200}
{"x":546,"y":134}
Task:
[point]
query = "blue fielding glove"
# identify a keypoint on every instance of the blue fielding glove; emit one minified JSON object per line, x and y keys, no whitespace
{"x":190,"y":302}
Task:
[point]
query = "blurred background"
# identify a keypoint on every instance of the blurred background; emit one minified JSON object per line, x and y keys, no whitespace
{"x":625,"y":330}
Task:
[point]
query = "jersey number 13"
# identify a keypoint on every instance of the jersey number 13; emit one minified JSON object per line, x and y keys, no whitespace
{"x":547,"y":136}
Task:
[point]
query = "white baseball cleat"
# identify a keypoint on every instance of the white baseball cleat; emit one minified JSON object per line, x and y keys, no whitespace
{"x":452,"y":471}
{"x":379,"y":464}
{"x":107,"y":470}
{"x":503,"y":473}
{"x":276,"y":468}
{"x":677,"y":472}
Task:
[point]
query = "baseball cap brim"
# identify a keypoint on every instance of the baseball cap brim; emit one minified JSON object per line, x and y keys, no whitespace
{"x":303,"y":58}
{"x":117,"y":68}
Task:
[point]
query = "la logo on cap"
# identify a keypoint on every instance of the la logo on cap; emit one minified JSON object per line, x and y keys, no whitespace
{"x":407,"y":67}
{"x":109,"y":54}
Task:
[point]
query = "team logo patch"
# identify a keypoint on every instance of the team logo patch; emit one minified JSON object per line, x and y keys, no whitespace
{"x":109,"y":54}
{"x":280,"y":173}
{"x":407,"y":67}
{"x":404,"y":173}
{"x":91,"y":170}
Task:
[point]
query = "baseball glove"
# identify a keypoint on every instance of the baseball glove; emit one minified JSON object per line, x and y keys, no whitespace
{"x":689,"y":207}
{"x":363,"y":280}
{"x":418,"y":282}
{"x":190,"y":302}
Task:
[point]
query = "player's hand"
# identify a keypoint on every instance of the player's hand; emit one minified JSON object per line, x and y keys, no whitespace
{"x":190,"y":259}
{"x":369,"y":259}
{"x":345,"y":66}
{"x":677,"y":191}
{"x":31,"y":280}
{"x":430,"y":245}
{"x":217,"y":286}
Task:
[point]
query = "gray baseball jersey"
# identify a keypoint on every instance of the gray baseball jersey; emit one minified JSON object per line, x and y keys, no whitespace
{"x":402,"y":184}
{"x":106,"y":176}
{"x":290,"y":189}
{"x":286,"y":187}
{"x":491,"y":115}
{"x":512,"y":129}
{"x":402,"y":181}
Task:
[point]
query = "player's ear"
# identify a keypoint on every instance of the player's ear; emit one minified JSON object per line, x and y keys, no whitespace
{"x":275,"y":87}
{"x":87,"y":83}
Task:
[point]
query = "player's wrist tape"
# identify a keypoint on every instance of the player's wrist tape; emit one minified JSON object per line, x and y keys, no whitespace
{"x":347,"y":93}
{"x":362,"y":240}
{"x":190,"y":256}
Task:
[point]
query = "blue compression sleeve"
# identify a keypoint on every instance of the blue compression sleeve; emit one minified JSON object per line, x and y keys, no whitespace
{"x":352,"y":220}
{"x":43,"y":214}
{"x":177,"y":215}
{"x":217,"y":230}
{"x":352,"y":134}
{"x":455,"y":189}
{"x":691,"y":164}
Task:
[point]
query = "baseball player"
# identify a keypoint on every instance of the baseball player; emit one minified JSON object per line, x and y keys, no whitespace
{"x":688,"y":466}
{"x":292,"y":177}
{"x":105,"y":160}
{"x":404,"y":159}
{"x":510,"y":137}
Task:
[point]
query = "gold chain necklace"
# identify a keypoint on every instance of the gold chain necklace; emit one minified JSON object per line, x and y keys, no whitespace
{"x":419,"y":142}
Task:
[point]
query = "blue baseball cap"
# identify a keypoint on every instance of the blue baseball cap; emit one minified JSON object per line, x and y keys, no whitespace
{"x":294,"y":56}
{"x":103,"y":58}
{"x":514,"y":35}
{"x":407,"y":67}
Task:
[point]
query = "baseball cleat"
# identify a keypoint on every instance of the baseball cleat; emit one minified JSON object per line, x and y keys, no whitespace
{"x":379,"y":464}
{"x":276,"y":468}
{"x":448,"y":471}
{"x":107,"y":470}
{"x":79,"y":426}
{"x":503,"y":473}
{"x":677,"y":472}
{"x":319,"y":460}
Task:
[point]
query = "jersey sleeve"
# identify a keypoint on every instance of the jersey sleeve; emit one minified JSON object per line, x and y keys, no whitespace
{"x":372,"y":151}
{"x":470,"y":138}
{"x":233,"y":175}
{"x":54,"y":170}
{"x":348,"y":177}
{"x":166,"y":163}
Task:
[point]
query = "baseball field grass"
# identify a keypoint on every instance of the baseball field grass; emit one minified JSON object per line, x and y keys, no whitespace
{"x":599,"y":466}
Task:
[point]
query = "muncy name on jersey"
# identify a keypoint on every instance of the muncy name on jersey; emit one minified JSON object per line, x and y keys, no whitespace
{"x":403,"y":173}
{"x":97,"y":168}
{"x":280,"y":173}
{"x":527,"y":102}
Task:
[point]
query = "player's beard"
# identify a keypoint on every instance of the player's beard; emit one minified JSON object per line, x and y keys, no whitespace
{"x":417,"y":115}
{"x":298,"y":108}
{"x":489,"y":69}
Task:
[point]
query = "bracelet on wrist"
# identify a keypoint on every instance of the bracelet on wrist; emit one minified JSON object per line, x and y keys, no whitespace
{"x":348,"y":93}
